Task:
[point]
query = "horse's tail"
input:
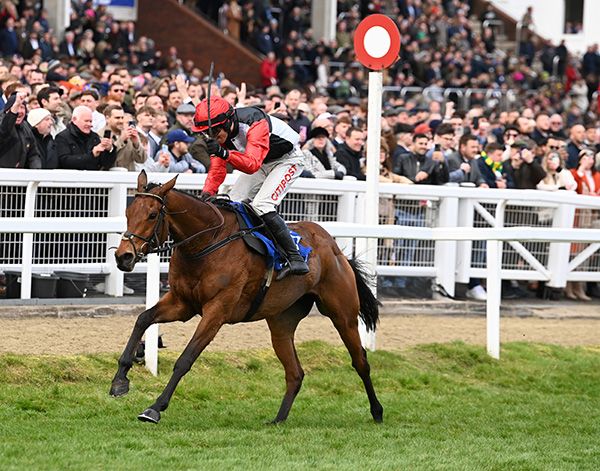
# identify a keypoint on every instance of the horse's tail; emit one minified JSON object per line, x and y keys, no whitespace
{"x":369,"y":305}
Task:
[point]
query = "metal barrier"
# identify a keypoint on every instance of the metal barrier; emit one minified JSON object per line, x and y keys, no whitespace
{"x":332,"y":64}
{"x":464,"y":95}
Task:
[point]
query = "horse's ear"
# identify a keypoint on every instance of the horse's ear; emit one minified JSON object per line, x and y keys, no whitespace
{"x":164,"y":189}
{"x":142,"y":181}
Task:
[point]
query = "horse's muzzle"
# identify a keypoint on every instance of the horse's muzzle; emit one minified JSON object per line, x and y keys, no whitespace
{"x":125,"y":261}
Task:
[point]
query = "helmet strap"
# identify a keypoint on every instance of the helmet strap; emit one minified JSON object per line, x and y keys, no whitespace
{"x":235,"y":129}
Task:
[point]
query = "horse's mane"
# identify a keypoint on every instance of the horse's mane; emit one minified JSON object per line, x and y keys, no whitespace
{"x":150,"y":186}
{"x":219,"y":201}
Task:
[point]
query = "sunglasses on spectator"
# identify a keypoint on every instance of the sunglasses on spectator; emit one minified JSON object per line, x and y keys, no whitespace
{"x":513,"y":134}
{"x":118,"y":90}
{"x":556,"y":122}
{"x":556,"y":147}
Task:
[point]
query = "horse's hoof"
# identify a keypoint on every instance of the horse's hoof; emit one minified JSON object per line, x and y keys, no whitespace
{"x":378,"y":416}
{"x":119,"y":387}
{"x":275,"y":422}
{"x":150,"y":415}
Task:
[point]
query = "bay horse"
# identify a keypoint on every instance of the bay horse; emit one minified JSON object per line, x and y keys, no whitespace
{"x":221,"y":283}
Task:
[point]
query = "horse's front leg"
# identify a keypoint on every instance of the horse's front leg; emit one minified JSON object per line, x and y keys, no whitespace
{"x":168,"y":309}
{"x":209,"y":325}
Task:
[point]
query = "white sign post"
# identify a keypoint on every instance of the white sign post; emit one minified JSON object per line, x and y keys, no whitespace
{"x":152,"y":297}
{"x":377,"y":44}
{"x":372,"y":193}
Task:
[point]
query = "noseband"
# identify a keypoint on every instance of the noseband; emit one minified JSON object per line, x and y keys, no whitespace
{"x":154,"y":240}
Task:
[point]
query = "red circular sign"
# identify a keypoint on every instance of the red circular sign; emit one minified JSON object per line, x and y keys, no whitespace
{"x":377,"y":42}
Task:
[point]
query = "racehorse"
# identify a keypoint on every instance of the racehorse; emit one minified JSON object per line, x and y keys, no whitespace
{"x":214,"y":274}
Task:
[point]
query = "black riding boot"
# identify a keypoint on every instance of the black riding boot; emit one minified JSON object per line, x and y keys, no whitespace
{"x":296,"y":264}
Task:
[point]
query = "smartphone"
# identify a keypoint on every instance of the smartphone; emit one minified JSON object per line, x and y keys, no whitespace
{"x":437,"y":148}
{"x":132,"y":123}
{"x":476,"y":122}
{"x":107,"y":133}
{"x":276,"y":105}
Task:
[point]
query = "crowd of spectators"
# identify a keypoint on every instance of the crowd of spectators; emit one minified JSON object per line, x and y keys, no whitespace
{"x":443,"y":45}
{"x":104,"y":98}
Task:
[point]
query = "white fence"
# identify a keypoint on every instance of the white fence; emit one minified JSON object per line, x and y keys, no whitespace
{"x":88,"y":209}
{"x":431,"y":232}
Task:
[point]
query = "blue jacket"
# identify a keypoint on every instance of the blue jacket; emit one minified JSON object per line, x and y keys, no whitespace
{"x":184,"y":163}
{"x":9,"y":43}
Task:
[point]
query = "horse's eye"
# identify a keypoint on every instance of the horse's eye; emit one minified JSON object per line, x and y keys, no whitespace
{"x":153,"y":216}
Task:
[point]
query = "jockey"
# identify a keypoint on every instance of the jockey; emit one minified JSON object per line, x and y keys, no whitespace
{"x":266,"y":150}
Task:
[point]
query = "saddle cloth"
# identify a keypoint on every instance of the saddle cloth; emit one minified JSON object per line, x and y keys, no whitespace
{"x":258,"y":240}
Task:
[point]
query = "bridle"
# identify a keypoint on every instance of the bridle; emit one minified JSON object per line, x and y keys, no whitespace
{"x":153,"y":241}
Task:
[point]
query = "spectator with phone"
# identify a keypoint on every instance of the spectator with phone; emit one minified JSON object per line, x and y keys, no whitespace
{"x":126,"y":139}
{"x":184,"y":119}
{"x":159,"y":129}
{"x":523,"y":169}
{"x":443,"y":141}
{"x":17,"y":143}
{"x":181,"y":161}
{"x":160,"y":164}
{"x":80,"y":148}
{"x":419,"y":168}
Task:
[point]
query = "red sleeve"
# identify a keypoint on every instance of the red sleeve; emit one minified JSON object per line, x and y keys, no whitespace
{"x":216,"y":175}
{"x":257,"y":148}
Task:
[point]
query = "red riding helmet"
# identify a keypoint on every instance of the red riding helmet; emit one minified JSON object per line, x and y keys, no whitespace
{"x":220,"y":112}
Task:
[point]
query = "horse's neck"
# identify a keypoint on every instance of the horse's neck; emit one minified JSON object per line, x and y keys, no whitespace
{"x":189,"y":216}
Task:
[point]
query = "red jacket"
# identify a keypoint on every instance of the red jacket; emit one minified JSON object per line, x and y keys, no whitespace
{"x":580,"y":179}
{"x":268,"y":73}
{"x":256,"y":138}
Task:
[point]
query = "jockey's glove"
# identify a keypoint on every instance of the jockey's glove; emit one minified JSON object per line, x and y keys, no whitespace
{"x":214,"y":148}
{"x":205,"y":196}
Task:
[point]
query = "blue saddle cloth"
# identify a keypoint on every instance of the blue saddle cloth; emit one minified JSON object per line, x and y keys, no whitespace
{"x":274,"y":258}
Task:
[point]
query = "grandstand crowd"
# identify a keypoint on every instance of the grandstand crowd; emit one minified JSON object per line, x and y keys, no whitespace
{"x":103,"y":97}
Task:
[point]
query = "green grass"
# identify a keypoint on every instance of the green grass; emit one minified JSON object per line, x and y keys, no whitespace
{"x":446,"y":407}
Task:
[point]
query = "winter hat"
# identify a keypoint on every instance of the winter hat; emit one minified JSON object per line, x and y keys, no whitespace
{"x":36,"y":116}
{"x":318,"y":132}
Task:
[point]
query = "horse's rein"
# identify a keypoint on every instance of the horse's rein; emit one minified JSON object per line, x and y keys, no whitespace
{"x":153,"y":241}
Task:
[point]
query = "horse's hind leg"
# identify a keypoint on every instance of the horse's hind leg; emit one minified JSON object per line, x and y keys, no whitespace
{"x":282,"y":329}
{"x":166,"y":310}
{"x":344,"y":314}
{"x":207,"y":329}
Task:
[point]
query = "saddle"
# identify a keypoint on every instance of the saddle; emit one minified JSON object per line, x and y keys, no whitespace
{"x":260,"y":240}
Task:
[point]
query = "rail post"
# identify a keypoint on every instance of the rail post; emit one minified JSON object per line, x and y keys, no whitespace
{"x":27,"y":257}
